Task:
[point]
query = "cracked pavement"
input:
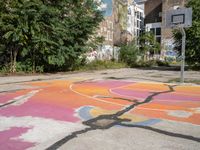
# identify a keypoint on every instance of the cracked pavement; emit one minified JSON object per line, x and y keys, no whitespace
{"x":111,"y":109}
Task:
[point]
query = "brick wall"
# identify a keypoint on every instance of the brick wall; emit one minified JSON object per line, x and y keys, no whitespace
{"x":152,"y":9}
{"x":167,"y":5}
{"x":106,"y":30}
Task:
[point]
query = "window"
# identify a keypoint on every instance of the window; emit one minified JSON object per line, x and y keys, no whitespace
{"x":138,"y":14}
{"x":138,"y":25}
{"x":108,"y":34}
{"x":111,"y":25}
{"x":129,"y":11}
{"x":111,"y":36}
{"x":158,"y":39}
{"x":141,"y":24}
{"x":152,"y":30}
{"x":138,"y":32}
{"x":158,"y":31}
{"x":141,"y":16}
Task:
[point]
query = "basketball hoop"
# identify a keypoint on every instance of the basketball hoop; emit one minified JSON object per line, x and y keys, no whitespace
{"x":180,"y":18}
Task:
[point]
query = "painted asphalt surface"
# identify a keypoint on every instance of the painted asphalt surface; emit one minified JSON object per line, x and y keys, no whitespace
{"x":64,"y":114}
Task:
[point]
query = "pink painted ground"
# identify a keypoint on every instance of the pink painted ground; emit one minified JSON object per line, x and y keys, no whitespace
{"x":8,"y":141}
{"x":62,"y":100}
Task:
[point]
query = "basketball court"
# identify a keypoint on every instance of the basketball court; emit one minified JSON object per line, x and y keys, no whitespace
{"x":65,"y":114}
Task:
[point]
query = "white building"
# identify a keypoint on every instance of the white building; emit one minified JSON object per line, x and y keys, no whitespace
{"x":135,"y":23}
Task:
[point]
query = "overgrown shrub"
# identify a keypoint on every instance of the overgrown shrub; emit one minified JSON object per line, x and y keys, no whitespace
{"x":142,"y":63}
{"x":5,"y":69}
{"x":162,"y":63}
{"x":128,"y":54}
{"x":100,"y":64}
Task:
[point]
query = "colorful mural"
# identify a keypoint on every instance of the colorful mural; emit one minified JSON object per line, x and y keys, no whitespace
{"x":64,"y":107}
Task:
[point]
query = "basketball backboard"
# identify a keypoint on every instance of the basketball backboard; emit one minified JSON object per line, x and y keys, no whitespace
{"x":181,"y":17}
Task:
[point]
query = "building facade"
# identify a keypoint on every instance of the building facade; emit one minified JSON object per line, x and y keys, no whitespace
{"x":135,"y":23}
{"x":123,"y":21}
{"x":155,"y":11}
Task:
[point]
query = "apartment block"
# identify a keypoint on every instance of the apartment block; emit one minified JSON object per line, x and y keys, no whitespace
{"x":123,"y":21}
{"x":135,"y":23}
{"x":155,"y":12}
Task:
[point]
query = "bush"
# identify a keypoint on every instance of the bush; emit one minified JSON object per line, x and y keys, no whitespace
{"x":162,"y":63}
{"x":24,"y":66}
{"x":99,"y":64}
{"x":195,"y":67}
{"x":5,"y":69}
{"x":142,"y":63}
{"x":128,"y":54}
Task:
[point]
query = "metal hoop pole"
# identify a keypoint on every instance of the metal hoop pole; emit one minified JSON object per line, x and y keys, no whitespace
{"x":183,"y":54}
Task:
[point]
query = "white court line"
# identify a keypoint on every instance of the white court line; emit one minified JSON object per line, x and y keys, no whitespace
{"x":176,"y":93}
{"x":97,"y":99}
{"x":152,"y":109}
{"x":155,"y":83}
{"x":166,"y":110}
{"x":110,"y":90}
{"x":155,"y":100}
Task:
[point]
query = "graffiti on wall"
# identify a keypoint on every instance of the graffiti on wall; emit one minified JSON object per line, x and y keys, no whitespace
{"x":105,"y":52}
{"x":169,"y":54}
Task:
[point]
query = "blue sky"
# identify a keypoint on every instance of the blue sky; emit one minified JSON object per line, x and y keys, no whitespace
{"x":108,"y":8}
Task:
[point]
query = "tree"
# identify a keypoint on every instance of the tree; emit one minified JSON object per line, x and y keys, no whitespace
{"x":192,"y":36}
{"x":148,"y":44}
{"x":11,"y":27}
{"x":47,"y":33}
{"x":129,"y":53}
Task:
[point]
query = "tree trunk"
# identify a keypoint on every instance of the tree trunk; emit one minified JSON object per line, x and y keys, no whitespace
{"x":33,"y":61}
{"x":13,"y":60}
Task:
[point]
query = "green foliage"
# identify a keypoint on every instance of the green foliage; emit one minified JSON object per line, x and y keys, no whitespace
{"x":192,"y":36}
{"x":128,"y":54}
{"x":4,"y":69}
{"x":148,"y":44}
{"x":99,"y":65}
{"x":50,"y":35}
{"x":143,"y":64}
{"x":163,"y":63}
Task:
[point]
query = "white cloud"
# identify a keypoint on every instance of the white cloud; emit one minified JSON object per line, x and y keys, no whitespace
{"x":103,"y":6}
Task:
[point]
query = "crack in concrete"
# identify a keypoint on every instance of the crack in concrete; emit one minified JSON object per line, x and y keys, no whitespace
{"x":20,"y":99}
{"x":178,"y":135}
{"x":118,"y":98}
{"x":95,"y":123}
{"x":6,"y":104}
